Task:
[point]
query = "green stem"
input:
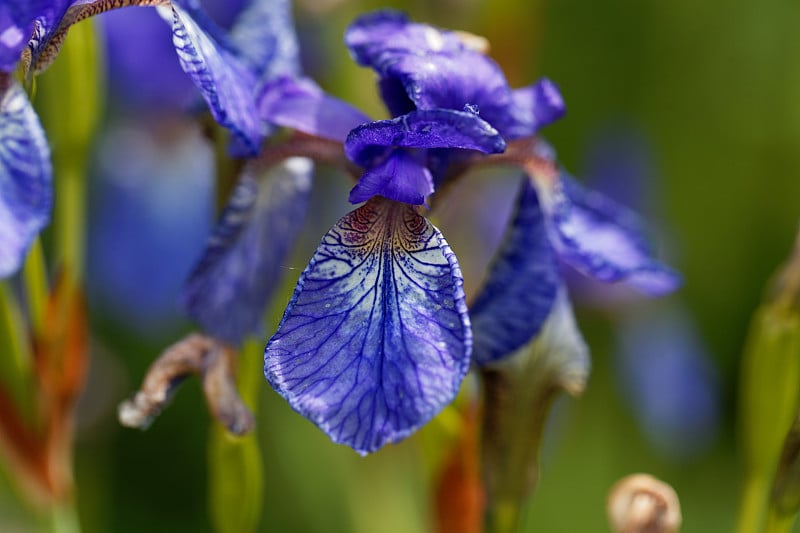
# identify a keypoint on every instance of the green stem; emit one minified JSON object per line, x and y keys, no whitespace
{"x":15,"y":352}
{"x":235,"y":464}
{"x":502,"y":517}
{"x":779,"y":523}
{"x":753,"y":506}
{"x":70,"y":219}
{"x":34,"y":276}
{"x":64,"y":518}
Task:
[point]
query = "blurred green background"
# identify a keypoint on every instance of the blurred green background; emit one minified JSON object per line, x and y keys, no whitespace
{"x":710,"y":89}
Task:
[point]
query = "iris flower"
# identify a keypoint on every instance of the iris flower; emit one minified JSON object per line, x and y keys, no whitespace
{"x":377,"y":336}
{"x":226,"y":68}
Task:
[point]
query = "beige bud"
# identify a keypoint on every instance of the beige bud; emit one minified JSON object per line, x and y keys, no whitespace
{"x":640,"y":503}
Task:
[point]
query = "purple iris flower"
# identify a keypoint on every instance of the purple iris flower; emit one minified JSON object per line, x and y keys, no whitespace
{"x":227,"y":68}
{"x":377,"y":337}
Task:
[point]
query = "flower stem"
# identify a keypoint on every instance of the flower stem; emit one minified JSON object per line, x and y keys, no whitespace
{"x":234,"y":462}
{"x":779,"y":523}
{"x":502,"y":517}
{"x":34,"y":275}
{"x":64,"y":518}
{"x":753,"y":506}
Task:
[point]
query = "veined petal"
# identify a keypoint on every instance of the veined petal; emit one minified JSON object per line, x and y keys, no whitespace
{"x":233,"y":281}
{"x":25,"y":177}
{"x":376,"y":339}
{"x":534,"y":107}
{"x":300,"y":104}
{"x":264,"y":37}
{"x":521,"y":286}
{"x":369,"y":144}
{"x":226,"y":83}
{"x":604,"y":240}
{"x":400,"y":177}
{"x":372,"y":35}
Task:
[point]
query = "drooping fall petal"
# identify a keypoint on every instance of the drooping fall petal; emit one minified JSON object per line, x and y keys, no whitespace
{"x":376,"y":339}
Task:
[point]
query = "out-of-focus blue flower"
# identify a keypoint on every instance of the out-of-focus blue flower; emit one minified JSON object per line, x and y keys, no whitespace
{"x":669,"y":380}
{"x":376,"y":338}
{"x":142,"y":232}
{"x":225,"y":68}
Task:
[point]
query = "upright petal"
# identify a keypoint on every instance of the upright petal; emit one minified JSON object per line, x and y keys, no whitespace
{"x":233,"y":281}
{"x":534,"y":107}
{"x":264,"y":37}
{"x":370,"y":143}
{"x":604,"y":240}
{"x":300,"y":104}
{"x":450,"y":81}
{"x":25,"y":177}
{"x":521,"y":286}
{"x":226,"y":82}
{"x":376,"y":339}
{"x":372,"y":35}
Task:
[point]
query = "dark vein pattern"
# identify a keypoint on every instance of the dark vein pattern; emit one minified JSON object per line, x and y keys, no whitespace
{"x":376,"y":339}
{"x":229,"y":288}
{"x":226,"y":84}
{"x":521,"y":287}
{"x":25,"y":178}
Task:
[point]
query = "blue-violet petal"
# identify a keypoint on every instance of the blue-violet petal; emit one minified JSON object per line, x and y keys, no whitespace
{"x":521,"y":286}
{"x":370,"y":143}
{"x":300,"y":104}
{"x":400,"y":177}
{"x":605,"y":240}
{"x":232,"y":283}
{"x":375,"y":34}
{"x":534,"y":107}
{"x":25,"y":177}
{"x":226,"y":83}
{"x":376,"y":339}
{"x":265,"y":38}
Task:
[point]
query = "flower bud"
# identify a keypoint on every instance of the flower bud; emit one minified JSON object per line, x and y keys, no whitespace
{"x":640,"y":503}
{"x":770,"y":388}
{"x":519,"y":391}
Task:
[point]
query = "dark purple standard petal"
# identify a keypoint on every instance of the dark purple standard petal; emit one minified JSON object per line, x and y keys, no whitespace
{"x":604,"y":240}
{"x":376,"y":339}
{"x":300,"y":104}
{"x":400,"y":177}
{"x":25,"y":177}
{"x":370,"y":143}
{"x":450,"y":81}
{"x":534,"y":107}
{"x":226,"y":83}
{"x":372,"y":35}
{"x":521,"y":286}
{"x":233,"y":281}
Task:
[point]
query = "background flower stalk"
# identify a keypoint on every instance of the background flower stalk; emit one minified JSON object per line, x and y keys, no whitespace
{"x":770,"y":390}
